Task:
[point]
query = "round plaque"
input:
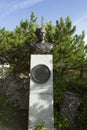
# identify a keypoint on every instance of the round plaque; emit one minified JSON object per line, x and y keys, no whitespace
{"x":40,"y":73}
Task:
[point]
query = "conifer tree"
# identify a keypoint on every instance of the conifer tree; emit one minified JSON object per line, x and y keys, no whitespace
{"x":68,"y":50}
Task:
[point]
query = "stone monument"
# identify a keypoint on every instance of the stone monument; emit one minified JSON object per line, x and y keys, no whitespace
{"x":41,"y":84}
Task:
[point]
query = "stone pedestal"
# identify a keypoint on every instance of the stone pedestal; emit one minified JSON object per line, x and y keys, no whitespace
{"x":41,"y":95}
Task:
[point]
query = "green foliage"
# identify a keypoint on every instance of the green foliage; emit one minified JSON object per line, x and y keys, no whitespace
{"x":69,"y":50}
{"x":60,"y":85}
{"x":15,"y":47}
{"x":69,"y":57}
{"x":10,"y":115}
{"x":60,"y":122}
{"x":50,"y":29}
{"x":42,"y":21}
{"x":82,"y":118}
{"x":63,"y":123}
{"x":40,"y":127}
{"x":4,"y":110}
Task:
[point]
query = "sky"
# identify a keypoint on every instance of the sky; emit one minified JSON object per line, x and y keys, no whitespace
{"x":13,"y":11}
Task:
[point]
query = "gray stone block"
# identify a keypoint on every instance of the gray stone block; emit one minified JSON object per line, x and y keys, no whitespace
{"x":41,"y":110}
{"x":41,"y":96}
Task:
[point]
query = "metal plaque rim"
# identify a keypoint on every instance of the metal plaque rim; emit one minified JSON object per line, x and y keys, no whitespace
{"x":32,"y":73}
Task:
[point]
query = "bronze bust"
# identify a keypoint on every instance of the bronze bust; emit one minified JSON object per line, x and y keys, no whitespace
{"x":41,"y":46}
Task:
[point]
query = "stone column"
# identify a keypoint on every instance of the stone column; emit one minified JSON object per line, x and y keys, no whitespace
{"x":41,"y":92}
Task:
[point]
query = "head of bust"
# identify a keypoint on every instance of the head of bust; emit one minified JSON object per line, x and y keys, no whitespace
{"x":41,"y":46}
{"x":40,"y":33}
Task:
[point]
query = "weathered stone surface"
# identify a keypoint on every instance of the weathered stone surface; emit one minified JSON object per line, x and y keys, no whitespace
{"x":41,"y":111}
{"x":41,"y":96}
{"x":16,"y":88}
{"x":69,"y":107}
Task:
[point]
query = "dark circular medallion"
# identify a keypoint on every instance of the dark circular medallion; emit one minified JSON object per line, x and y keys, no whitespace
{"x":40,"y":73}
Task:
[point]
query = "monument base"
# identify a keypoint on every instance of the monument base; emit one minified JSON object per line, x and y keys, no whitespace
{"x":41,"y":96}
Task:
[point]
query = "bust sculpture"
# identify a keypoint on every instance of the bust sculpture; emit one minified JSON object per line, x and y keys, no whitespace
{"x":41,"y":46}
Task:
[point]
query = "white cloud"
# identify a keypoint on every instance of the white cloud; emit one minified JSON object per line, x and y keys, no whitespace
{"x":81,"y":24}
{"x":80,"y":20}
{"x":8,"y":8}
{"x":25,"y":4}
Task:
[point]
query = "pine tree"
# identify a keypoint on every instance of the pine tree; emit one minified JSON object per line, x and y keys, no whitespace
{"x":68,"y":50}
